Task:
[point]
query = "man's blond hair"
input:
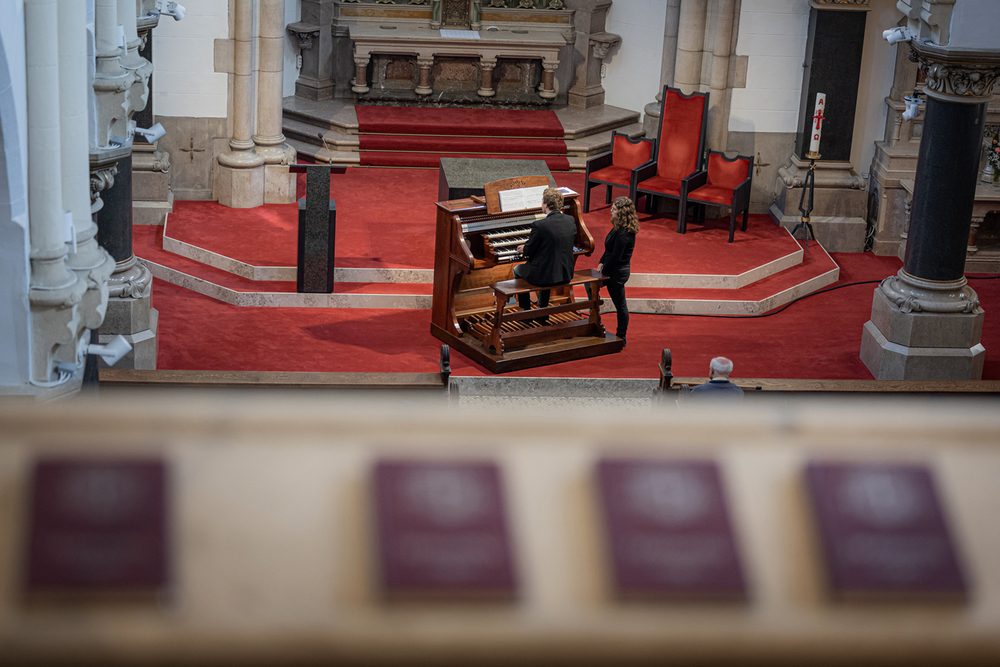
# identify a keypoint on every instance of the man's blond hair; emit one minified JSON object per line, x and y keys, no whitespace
{"x":553,"y":199}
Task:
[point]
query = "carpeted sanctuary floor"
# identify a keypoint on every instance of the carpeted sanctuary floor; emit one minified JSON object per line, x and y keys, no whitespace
{"x":818,"y":337}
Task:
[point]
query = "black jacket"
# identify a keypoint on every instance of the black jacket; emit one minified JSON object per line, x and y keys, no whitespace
{"x":617,"y":257}
{"x":549,"y":250}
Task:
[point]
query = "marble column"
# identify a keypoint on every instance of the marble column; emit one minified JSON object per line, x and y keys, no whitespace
{"x":91,"y":263}
{"x":111,"y":80}
{"x":152,"y":198}
{"x":833,"y":66}
{"x":487,"y":65}
{"x":55,"y":291}
{"x":424,"y":64}
{"x":279,"y":184}
{"x":241,"y":169}
{"x":651,"y":112}
{"x":723,"y":25}
{"x":926,"y":321}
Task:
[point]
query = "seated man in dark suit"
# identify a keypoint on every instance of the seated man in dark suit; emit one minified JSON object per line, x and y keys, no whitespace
{"x":718,"y":385}
{"x":549,"y":250}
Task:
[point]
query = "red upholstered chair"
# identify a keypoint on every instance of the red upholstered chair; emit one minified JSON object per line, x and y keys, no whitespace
{"x":725,"y":183}
{"x":615,"y":169}
{"x":679,"y":149}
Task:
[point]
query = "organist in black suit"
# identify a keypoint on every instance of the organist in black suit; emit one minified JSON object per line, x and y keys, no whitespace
{"x":549,"y":250}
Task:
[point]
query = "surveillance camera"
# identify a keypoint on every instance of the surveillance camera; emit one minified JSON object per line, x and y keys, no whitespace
{"x":175,"y":10}
{"x":113,"y":351}
{"x":913,"y":104}
{"x":152,"y":134}
{"x":897,"y":34}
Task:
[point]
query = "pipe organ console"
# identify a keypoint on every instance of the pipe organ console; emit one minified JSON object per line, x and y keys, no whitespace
{"x":474,"y":251}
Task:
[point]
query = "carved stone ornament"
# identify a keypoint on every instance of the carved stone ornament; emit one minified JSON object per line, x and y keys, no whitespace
{"x":954,"y":82}
{"x":304,"y":34}
{"x":911,"y":294}
{"x":601,"y":43}
{"x":101,"y":180}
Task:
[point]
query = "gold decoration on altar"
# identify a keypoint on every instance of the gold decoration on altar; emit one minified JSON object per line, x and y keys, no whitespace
{"x":556,"y":4}
{"x":526,"y":4}
{"x":498,"y":3}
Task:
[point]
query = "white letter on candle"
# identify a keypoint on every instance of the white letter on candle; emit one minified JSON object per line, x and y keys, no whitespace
{"x":817,"y":125}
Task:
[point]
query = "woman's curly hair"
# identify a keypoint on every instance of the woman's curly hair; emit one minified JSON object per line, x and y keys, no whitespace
{"x":625,"y":216}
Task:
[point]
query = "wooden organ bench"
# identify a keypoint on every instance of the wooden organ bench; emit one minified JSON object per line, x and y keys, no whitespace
{"x":516,"y":328}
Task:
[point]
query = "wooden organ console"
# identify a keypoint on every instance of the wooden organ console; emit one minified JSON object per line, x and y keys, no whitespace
{"x":474,"y":258}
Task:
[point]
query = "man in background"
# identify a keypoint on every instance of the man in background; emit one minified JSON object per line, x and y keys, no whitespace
{"x":718,"y":385}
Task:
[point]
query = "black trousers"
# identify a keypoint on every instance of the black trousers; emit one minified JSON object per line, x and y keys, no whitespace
{"x":616,"y":290}
{"x":524,"y":300}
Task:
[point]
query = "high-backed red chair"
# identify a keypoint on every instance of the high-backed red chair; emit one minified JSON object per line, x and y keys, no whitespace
{"x":679,"y":151}
{"x":615,"y":169}
{"x":725,"y":183}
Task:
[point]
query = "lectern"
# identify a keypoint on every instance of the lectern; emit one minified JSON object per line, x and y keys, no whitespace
{"x":317,"y":229}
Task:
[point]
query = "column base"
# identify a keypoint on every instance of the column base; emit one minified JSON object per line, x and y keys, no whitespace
{"x":651,"y":119}
{"x":279,"y":184}
{"x":313,"y":89}
{"x":241,"y":188}
{"x":152,"y":212}
{"x":586,"y":100}
{"x":897,"y":344}
{"x":144,"y":342}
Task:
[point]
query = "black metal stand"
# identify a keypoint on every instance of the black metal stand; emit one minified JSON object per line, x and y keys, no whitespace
{"x":809,"y":186}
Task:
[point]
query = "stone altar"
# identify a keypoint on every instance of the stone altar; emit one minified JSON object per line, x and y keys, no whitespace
{"x":462,"y":177}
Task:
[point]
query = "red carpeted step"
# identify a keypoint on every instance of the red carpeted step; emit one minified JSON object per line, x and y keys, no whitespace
{"x":430,"y":160}
{"x":465,"y":145}
{"x":147,"y":243}
{"x":462,"y":122}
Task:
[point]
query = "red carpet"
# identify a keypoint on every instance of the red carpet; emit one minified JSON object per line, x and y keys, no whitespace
{"x":386,"y":217}
{"x":817,"y":338}
{"x":419,"y":137}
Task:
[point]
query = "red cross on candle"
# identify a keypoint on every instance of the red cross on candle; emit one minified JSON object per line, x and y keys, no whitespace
{"x":818,"y":116}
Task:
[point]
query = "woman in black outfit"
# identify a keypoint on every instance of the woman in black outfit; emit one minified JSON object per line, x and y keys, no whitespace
{"x":616,"y":261}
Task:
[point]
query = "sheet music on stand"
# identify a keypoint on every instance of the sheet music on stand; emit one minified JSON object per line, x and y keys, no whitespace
{"x":522,"y":198}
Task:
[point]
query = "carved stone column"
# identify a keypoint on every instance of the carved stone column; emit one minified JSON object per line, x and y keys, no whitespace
{"x":152,"y":198}
{"x":546,"y":90}
{"x":55,"y":291}
{"x":690,"y":45}
{"x":487,"y":66}
{"x":590,"y":18}
{"x":926,"y":321}
{"x":279,"y":184}
{"x":836,"y":35}
{"x":359,"y":84}
{"x":424,"y":85}
{"x":315,"y":80}
{"x":241,"y":169}
{"x":91,"y":263}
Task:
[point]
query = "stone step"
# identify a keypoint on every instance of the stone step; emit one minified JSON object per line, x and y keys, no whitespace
{"x":318,"y":153}
{"x":336,"y":138}
{"x":324,"y":114}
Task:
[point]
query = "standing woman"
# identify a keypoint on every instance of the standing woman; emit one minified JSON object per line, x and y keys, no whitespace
{"x":616,"y":261}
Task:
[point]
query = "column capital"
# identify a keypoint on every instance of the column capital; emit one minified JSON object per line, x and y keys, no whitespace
{"x":966,"y":76}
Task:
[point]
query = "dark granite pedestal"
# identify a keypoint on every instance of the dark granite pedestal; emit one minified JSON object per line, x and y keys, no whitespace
{"x":461,"y":177}
{"x":317,"y":229}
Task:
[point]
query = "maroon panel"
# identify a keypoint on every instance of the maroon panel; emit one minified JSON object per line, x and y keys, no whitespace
{"x":669,"y":530}
{"x":443,"y":530}
{"x":883,"y":531}
{"x":98,"y":525}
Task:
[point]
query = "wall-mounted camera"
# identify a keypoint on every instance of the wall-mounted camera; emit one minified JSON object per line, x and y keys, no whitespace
{"x":152,"y":134}
{"x":898,"y":34}
{"x":171,"y":9}
{"x":913,"y":105}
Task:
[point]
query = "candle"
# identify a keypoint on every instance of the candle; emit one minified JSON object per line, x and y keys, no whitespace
{"x":817,"y":126}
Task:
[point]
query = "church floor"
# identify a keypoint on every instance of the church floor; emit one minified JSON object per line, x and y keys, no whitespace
{"x":816,"y":338}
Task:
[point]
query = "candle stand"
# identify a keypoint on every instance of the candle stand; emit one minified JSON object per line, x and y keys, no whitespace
{"x":805,"y":208}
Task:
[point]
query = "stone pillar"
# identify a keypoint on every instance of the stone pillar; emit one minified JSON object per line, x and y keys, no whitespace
{"x":241,"y":169}
{"x":424,"y":63}
{"x":315,"y":80}
{"x":723,"y":25}
{"x":487,"y":66}
{"x":55,"y":291}
{"x":690,"y":44}
{"x":651,"y":112}
{"x":279,"y":184}
{"x":111,"y":80}
{"x":926,"y":322}
{"x":359,"y":83}
{"x":833,"y":66}
{"x":132,"y":61}
{"x":546,"y":90}
{"x":152,"y":198}
{"x":91,"y":263}
{"x":590,"y":19}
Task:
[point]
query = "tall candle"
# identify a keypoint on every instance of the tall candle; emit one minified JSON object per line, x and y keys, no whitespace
{"x":817,"y":125}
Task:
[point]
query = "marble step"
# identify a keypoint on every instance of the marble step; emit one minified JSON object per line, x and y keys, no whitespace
{"x":318,"y":153}
{"x":325,"y":114}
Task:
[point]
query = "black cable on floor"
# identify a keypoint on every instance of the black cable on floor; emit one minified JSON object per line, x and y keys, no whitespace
{"x":804,"y":296}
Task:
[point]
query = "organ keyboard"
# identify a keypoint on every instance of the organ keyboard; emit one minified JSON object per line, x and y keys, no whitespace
{"x":475,"y":249}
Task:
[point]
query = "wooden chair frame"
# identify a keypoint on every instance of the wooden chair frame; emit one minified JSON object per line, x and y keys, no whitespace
{"x":606,"y":160}
{"x":647,"y":170}
{"x":741,"y":196}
